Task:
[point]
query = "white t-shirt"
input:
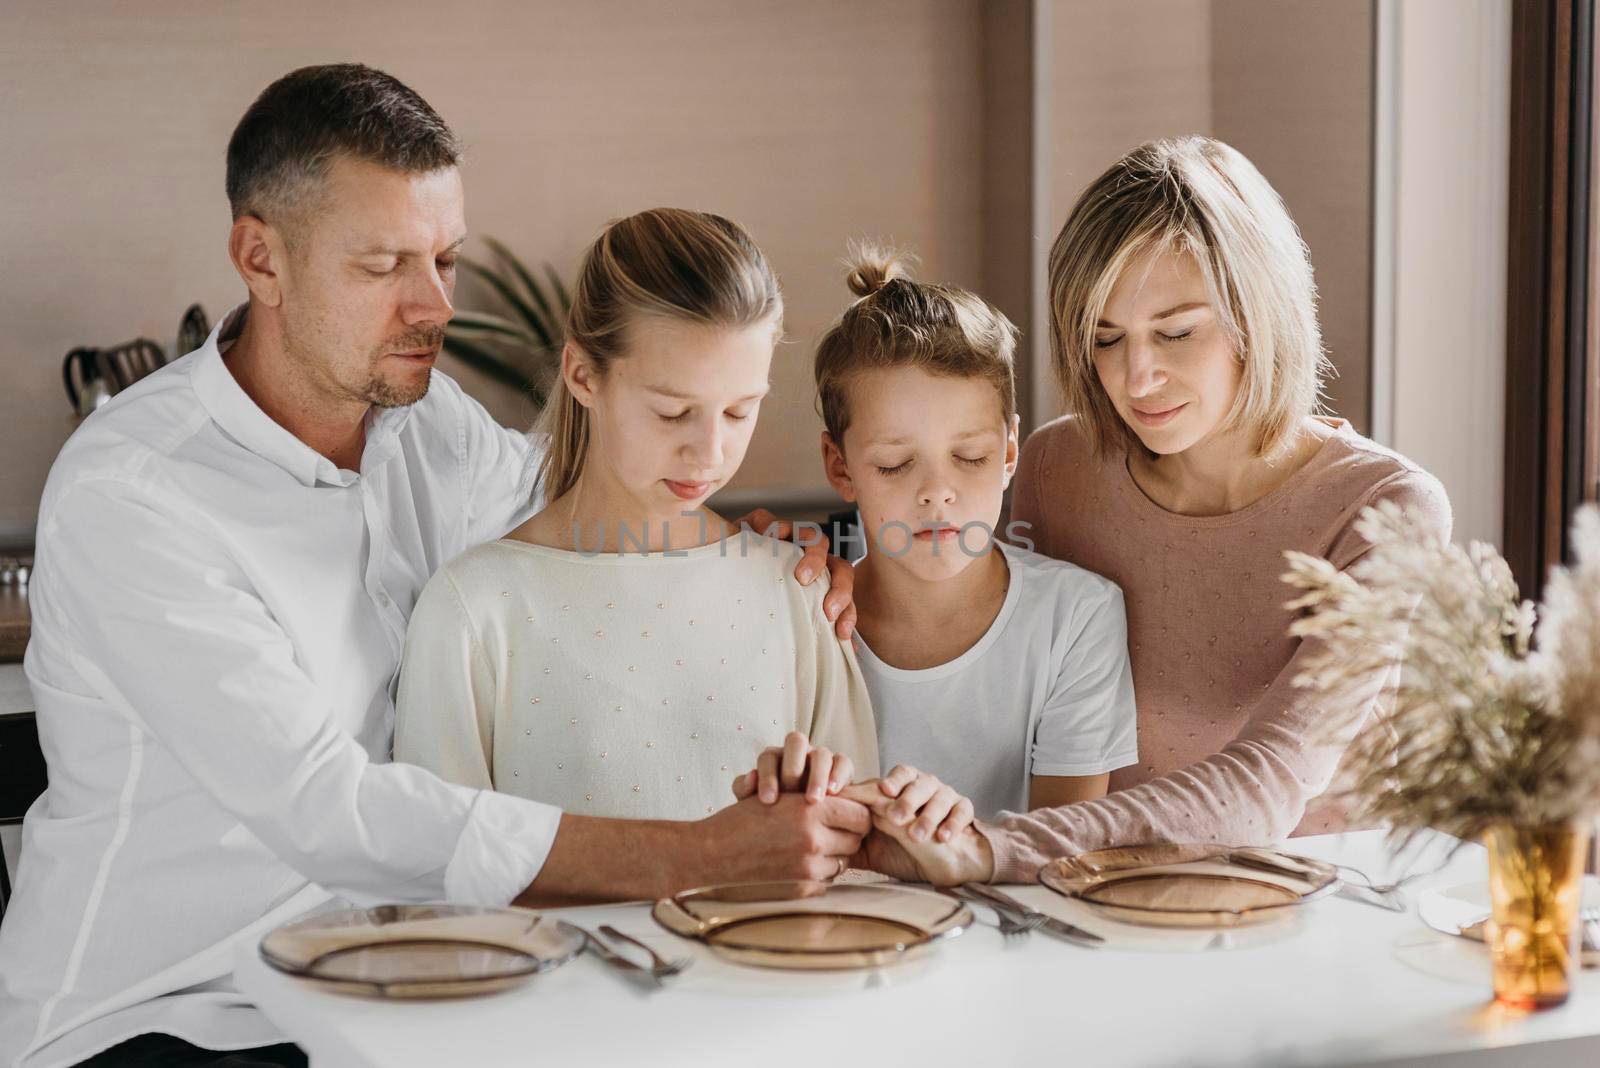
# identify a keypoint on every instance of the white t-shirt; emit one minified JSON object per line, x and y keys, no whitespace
{"x":1047,"y":690}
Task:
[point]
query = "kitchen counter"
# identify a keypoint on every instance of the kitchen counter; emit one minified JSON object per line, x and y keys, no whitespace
{"x":14,"y":623}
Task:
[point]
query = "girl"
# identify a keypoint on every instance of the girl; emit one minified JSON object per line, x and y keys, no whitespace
{"x":624,"y":648}
{"x":1004,"y":670}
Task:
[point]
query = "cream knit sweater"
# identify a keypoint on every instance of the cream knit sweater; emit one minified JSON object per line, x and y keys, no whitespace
{"x":624,"y":685}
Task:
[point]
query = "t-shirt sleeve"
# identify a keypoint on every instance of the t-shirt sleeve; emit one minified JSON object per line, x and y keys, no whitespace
{"x":840,"y":710}
{"x":1088,"y":723}
{"x":444,"y":717}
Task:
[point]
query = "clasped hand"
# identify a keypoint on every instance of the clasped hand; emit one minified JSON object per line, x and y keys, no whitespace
{"x":921,"y":828}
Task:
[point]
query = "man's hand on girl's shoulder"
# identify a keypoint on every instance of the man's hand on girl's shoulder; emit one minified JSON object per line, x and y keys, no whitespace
{"x":838,"y":605}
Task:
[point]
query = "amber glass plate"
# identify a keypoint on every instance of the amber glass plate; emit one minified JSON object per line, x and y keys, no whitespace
{"x":421,"y":951}
{"x":1190,"y":885}
{"x":812,"y":926}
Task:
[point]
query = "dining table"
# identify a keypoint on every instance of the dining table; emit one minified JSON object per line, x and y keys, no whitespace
{"x":1341,"y":982}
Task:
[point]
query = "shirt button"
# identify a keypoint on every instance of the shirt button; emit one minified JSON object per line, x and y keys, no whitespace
{"x":383,"y":599}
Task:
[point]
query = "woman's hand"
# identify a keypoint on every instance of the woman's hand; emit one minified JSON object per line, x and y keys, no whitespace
{"x":793,"y":767}
{"x":838,"y":605}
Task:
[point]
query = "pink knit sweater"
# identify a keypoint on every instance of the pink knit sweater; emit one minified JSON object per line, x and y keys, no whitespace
{"x":1229,"y":750}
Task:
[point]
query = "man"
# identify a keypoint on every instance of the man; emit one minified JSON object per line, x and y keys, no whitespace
{"x":227,"y":556}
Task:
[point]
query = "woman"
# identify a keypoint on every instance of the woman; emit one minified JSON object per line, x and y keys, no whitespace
{"x":1185,"y":338}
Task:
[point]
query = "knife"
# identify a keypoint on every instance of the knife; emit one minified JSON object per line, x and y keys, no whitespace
{"x":1058,"y":927}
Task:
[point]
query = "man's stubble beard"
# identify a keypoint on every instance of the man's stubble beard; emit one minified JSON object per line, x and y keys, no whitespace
{"x":382,"y":394}
{"x":386,"y":395}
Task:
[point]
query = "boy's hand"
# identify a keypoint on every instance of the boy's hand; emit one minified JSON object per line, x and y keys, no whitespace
{"x":965,"y":858}
{"x":925,"y":808}
{"x":838,"y":605}
{"x":794,"y":767}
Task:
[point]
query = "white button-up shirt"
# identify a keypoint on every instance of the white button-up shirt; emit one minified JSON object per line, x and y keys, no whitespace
{"x":218,"y":616}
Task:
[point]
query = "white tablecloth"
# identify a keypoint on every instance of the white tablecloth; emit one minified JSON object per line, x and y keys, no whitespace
{"x":1349,"y":984}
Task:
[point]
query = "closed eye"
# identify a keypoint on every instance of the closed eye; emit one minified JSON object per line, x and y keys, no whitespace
{"x":680,"y":417}
{"x":972,"y":461}
{"x":895,"y":470}
{"x":1106,"y":342}
{"x":1178,"y":337}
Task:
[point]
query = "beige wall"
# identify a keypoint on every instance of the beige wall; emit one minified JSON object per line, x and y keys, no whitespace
{"x":1122,"y":72}
{"x":1451,"y":186}
{"x":1292,"y":90}
{"x":1118,"y":73}
{"x":1288,"y":84}
{"x":808,"y":122}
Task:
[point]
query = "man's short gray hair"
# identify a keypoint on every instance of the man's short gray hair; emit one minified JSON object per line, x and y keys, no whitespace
{"x":284,"y":144}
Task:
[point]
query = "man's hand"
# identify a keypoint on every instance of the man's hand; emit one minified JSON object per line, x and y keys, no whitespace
{"x":597,"y":859}
{"x":794,"y":767}
{"x":792,"y":838}
{"x":889,"y":849}
{"x":838,"y":605}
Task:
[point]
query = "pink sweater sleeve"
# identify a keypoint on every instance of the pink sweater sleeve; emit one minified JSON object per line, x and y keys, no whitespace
{"x":1254,"y":791}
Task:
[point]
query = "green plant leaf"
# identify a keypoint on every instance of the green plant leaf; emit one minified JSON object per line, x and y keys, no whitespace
{"x":509,"y":260}
{"x":492,"y":364}
{"x":498,"y":326}
{"x":509,"y":294}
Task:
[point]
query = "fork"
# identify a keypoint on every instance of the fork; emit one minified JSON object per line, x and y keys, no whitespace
{"x":1044,"y":921}
{"x":1011,"y":925}
{"x":616,"y":960}
{"x":1384,"y":895}
{"x":660,"y":967}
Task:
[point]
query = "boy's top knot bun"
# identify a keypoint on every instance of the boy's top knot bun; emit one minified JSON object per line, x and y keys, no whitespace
{"x":898,"y":322}
{"x":873,"y":266}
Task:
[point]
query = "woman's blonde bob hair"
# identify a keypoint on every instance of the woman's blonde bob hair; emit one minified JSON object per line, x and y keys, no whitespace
{"x":1195,"y":196}
{"x":666,"y":263}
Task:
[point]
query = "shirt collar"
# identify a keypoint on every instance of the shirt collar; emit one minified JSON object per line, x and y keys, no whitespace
{"x":243,"y":420}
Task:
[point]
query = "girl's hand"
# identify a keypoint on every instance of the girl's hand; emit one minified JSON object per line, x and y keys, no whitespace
{"x":924,"y":807}
{"x":794,"y":767}
{"x":838,"y":605}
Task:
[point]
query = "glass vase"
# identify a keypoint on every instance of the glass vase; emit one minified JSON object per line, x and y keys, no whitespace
{"x":1535,"y":893}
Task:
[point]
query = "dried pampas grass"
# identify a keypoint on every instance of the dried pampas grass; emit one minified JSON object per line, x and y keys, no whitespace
{"x":1493,"y":720}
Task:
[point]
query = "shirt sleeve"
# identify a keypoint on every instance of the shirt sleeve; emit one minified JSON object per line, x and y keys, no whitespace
{"x":444,"y":717}
{"x":1088,"y":723}
{"x":174,"y":636}
{"x":1255,"y":791}
{"x":840,"y":710}
{"x":499,"y":468}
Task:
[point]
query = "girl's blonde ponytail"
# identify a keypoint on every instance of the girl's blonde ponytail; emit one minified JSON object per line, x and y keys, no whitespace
{"x":687,"y":266}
